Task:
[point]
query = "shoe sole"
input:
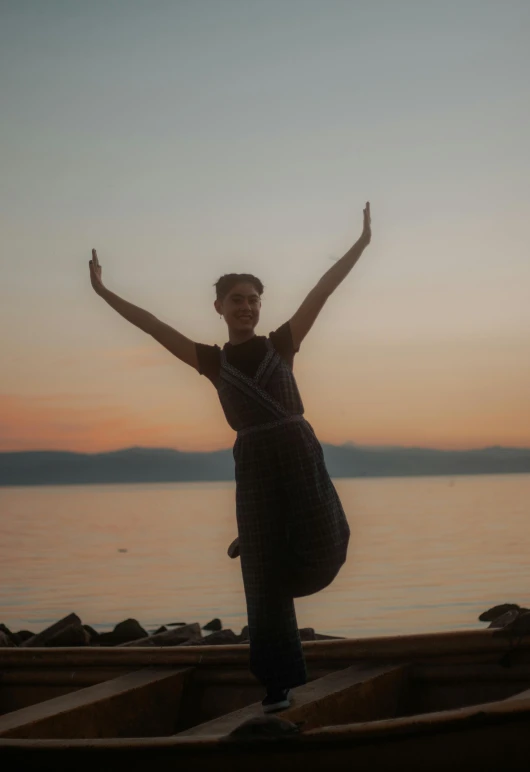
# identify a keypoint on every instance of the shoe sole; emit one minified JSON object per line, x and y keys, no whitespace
{"x":282,"y":705}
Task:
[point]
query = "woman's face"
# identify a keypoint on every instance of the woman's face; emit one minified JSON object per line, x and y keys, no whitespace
{"x":240,"y":307}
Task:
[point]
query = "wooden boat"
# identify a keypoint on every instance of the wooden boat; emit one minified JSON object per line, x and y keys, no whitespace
{"x":424,"y":702}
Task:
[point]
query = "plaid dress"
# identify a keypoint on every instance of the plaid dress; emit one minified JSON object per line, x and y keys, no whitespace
{"x":293,"y":533}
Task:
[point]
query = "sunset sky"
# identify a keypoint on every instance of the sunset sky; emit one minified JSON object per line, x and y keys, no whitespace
{"x":189,"y":138}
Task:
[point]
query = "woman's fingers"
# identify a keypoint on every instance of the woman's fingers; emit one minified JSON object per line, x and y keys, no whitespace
{"x":95,"y":264}
{"x":367,"y":217}
{"x":95,"y":267}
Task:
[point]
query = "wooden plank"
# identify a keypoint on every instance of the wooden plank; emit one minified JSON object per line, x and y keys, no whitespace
{"x":90,"y":675}
{"x":143,"y":703}
{"x":355,"y":694}
{"x":405,"y":648}
{"x":446,"y":687}
{"x":520,"y":696}
{"x":485,"y":748}
{"x":74,"y":677}
{"x":471,"y":672}
{"x":486,"y":737}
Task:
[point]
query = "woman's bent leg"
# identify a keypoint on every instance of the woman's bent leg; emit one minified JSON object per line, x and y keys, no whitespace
{"x":318,"y":532}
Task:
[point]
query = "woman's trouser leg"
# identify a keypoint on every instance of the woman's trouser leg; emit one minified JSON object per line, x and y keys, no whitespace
{"x":276,"y":656}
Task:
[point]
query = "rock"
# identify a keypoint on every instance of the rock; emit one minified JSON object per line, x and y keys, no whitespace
{"x":505,"y":619}
{"x":243,"y":636}
{"x":73,"y":635}
{"x":307,"y":634}
{"x":128,"y":631}
{"x":107,"y":639}
{"x":497,"y":611}
{"x":176,"y":637}
{"x":322,"y":637}
{"x":215,"y":625}
{"x":220,"y":637}
{"x":263,"y":727}
{"x":94,"y":635}
{"x":519,"y":627}
{"x":175,"y":624}
{"x":22,"y":635}
{"x":162,"y":629}
{"x":6,"y":641}
{"x":41,"y":639}
{"x":11,"y":638}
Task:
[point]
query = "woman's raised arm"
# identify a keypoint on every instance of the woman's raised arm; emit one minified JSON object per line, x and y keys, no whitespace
{"x":183,"y":348}
{"x":303,"y":319}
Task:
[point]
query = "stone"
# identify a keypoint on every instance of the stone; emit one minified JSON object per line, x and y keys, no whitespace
{"x":497,"y":611}
{"x":128,"y":631}
{"x":41,"y":639}
{"x":215,"y":625}
{"x":519,"y":626}
{"x":6,"y":641}
{"x":162,"y":629}
{"x":505,"y":619}
{"x":322,"y":637}
{"x":6,"y":630}
{"x":243,"y":635}
{"x":94,"y":635}
{"x":307,"y":634}
{"x":22,"y":635}
{"x":219,"y":638}
{"x":175,"y":624}
{"x":107,"y":639}
{"x":73,"y":635}
{"x":175,"y":637}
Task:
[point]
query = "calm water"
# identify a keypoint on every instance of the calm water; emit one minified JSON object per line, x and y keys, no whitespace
{"x":426,"y":554}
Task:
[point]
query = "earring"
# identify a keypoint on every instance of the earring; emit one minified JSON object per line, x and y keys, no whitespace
{"x":220,"y":316}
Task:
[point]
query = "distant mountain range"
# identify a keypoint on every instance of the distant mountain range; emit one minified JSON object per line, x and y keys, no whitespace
{"x":143,"y":465}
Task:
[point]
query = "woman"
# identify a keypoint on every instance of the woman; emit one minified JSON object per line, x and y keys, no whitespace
{"x":293,"y":534}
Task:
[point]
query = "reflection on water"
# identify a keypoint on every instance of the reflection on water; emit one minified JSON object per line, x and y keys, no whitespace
{"x":426,"y":554}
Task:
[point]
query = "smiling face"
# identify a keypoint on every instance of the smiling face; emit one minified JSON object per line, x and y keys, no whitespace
{"x":240,"y":308}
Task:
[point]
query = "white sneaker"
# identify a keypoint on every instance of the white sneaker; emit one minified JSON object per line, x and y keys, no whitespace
{"x":277,"y":699}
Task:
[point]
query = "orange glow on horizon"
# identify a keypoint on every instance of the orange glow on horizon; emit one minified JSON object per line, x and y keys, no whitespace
{"x":44,"y":424}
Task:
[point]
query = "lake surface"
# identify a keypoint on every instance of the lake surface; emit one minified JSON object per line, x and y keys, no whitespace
{"x":426,"y":554}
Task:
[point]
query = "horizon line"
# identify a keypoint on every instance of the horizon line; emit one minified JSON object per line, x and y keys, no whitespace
{"x":348,"y":443}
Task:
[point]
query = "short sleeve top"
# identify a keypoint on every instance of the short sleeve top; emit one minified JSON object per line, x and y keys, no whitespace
{"x":246,"y":356}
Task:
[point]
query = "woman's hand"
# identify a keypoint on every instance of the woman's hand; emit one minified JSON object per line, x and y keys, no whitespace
{"x":95,"y":273}
{"x":366,"y":235}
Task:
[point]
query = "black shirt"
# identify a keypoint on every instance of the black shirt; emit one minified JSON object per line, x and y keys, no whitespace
{"x":245,"y":356}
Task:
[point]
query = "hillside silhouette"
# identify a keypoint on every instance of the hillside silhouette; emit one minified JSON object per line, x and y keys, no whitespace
{"x":143,"y":465}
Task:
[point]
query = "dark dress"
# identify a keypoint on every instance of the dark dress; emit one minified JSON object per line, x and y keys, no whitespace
{"x":293,"y":532}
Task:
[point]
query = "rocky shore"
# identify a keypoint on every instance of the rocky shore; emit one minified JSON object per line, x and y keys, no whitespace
{"x":70,"y":631}
{"x":507,"y":618}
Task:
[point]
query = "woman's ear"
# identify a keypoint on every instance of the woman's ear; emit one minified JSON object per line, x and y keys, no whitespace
{"x":217,"y":306}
